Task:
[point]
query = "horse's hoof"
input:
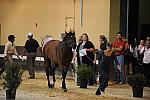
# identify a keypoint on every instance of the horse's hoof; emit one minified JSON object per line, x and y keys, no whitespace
{"x":64,"y":90}
{"x":50,"y":89}
{"x":51,"y":86}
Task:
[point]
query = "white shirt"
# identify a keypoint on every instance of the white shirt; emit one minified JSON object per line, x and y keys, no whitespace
{"x":10,"y":49}
{"x":140,"y":47}
{"x":146,"y":58}
{"x":134,"y":51}
{"x":82,"y":52}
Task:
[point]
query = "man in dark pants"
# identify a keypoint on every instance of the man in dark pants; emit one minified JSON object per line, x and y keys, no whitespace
{"x":107,"y":58}
{"x":31,"y":47}
{"x":103,"y":46}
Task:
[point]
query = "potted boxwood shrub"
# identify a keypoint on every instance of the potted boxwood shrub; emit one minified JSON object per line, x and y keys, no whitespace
{"x":137,"y":82}
{"x":13,"y":78}
{"x":84,"y":72}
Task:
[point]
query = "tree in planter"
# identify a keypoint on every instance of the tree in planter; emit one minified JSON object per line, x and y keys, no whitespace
{"x":13,"y":78}
{"x":137,"y":82}
{"x":84,"y":73}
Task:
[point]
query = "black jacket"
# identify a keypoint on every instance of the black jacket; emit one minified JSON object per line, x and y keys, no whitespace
{"x":85,"y":59}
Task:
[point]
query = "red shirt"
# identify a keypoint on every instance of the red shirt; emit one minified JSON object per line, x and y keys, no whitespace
{"x":117,"y":44}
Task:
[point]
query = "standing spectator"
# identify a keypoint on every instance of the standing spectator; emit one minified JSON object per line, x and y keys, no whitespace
{"x":134,"y":52}
{"x":146,"y":62}
{"x":142,"y":45}
{"x":119,"y":48}
{"x":127,"y":57}
{"x":148,"y":38}
{"x":126,"y":43}
{"x":75,"y":59}
{"x":31,"y":46}
{"x":103,"y":42}
{"x":85,"y":53}
{"x":10,"y":50}
{"x":107,"y":59}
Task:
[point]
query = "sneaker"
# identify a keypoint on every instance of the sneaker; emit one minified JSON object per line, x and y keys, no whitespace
{"x":120,"y":83}
{"x":116,"y":82}
{"x":102,"y":92}
{"x":31,"y":77}
{"x":98,"y":92}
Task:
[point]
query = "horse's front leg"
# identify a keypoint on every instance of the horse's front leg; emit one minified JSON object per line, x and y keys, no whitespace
{"x":64,"y":73}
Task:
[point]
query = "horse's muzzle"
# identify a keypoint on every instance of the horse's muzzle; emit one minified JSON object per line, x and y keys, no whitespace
{"x":73,"y":46}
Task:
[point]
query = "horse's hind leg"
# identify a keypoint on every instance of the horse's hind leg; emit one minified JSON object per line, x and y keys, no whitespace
{"x":52,"y":72}
{"x":64,"y":73}
{"x":47,"y":70}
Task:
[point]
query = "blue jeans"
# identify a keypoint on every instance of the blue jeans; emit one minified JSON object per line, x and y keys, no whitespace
{"x":80,"y":60}
{"x":120,"y":74}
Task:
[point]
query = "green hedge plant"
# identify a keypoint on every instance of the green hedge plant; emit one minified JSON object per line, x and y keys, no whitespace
{"x":84,"y":71}
{"x":12,"y":75}
{"x":136,"y":80}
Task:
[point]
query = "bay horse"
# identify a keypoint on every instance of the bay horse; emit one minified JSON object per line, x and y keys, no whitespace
{"x":59,"y":53}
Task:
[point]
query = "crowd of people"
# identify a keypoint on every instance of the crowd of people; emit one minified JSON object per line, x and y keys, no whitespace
{"x":122,"y":57}
{"x":125,"y":59}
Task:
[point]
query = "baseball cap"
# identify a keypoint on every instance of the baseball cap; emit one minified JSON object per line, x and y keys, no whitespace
{"x":29,"y":34}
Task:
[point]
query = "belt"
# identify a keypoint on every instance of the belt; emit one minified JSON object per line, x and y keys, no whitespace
{"x":120,"y":55}
{"x":31,"y":52}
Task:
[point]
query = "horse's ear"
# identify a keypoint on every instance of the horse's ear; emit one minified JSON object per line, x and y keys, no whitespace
{"x":73,"y":32}
{"x":70,"y":31}
{"x":41,"y":38}
{"x":66,"y":32}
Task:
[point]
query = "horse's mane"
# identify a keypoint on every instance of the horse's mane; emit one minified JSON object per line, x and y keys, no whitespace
{"x":65,"y":38}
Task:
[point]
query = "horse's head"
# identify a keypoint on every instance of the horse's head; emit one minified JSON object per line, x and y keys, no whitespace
{"x":71,"y":39}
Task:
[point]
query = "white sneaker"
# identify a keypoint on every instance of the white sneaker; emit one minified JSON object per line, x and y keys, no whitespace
{"x":102,"y":93}
{"x":120,"y":83}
